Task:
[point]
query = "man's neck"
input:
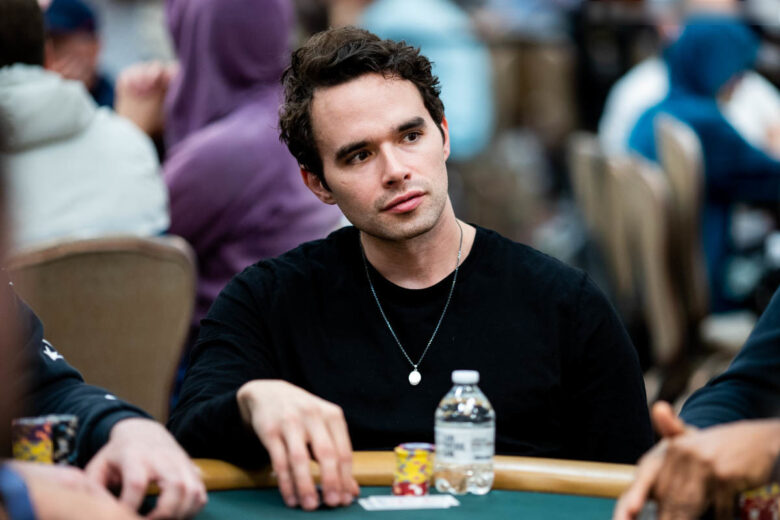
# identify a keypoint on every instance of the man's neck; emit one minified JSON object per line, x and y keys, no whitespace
{"x":424,"y":260}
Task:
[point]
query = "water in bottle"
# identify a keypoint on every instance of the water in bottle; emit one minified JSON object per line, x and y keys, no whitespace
{"x":465,"y":435}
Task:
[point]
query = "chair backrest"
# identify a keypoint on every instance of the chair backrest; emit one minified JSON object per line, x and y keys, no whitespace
{"x":598,"y":197}
{"x":117,"y":308}
{"x":644,"y":211}
{"x":680,"y":154}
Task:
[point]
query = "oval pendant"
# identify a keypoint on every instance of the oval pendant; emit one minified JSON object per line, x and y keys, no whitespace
{"x":414,"y":377}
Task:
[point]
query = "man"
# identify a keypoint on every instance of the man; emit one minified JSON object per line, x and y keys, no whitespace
{"x":351,"y":340}
{"x":74,"y":170}
{"x":738,"y":445}
{"x":72,"y":47}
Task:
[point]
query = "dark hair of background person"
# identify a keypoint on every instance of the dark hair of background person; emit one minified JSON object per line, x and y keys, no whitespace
{"x":21,"y":32}
{"x":337,"y":56}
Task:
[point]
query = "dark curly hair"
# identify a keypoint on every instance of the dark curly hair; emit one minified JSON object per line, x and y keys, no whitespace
{"x":336,"y":56}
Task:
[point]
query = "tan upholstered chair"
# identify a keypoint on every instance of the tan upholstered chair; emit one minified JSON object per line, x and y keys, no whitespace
{"x":117,"y":308}
{"x":597,"y":197}
{"x":642,"y":200}
{"x":680,"y":154}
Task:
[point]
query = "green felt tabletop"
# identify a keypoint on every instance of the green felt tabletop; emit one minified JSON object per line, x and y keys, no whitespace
{"x":267,"y":503}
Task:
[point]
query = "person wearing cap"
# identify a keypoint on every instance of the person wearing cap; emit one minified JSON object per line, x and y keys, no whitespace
{"x":73,"y":47}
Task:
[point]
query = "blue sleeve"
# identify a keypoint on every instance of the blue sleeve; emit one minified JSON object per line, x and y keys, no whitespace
{"x":735,"y":169}
{"x":750,"y":388}
{"x":51,"y":386}
{"x":14,"y":495}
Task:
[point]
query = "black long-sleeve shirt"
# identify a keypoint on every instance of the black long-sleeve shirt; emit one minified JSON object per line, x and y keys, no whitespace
{"x":49,"y":385}
{"x":554,"y":360}
{"x":750,"y":387}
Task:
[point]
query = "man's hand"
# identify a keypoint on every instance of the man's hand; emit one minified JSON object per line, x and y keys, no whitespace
{"x":691,"y":469}
{"x":141,"y":451}
{"x":140,"y":94}
{"x":65,"y":493}
{"x":288,"y":420}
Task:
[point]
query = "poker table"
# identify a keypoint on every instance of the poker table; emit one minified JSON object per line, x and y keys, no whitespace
{"x":524,"y":488}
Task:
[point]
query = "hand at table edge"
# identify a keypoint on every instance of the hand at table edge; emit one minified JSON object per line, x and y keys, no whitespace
{"x":140,"y":452}
{"x":290,"y":422}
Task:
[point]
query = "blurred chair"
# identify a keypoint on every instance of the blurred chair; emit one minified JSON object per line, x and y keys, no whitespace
{"x":598,"y":195}
{"x":117,"y":308}
{"x":680,"y":154}
{"x":642,"y":205}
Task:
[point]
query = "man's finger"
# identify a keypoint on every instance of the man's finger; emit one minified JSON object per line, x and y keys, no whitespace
{"x":631,"y":502}
{"x":170,"y":502}
{"x":666,"y":421}
{"x":337,"y":425}
{"x":281,"y":466}
{"x":298,"y":453}
{"x":134,"y":482}
{"x":325,"y":453}
{"x":682,"y":489}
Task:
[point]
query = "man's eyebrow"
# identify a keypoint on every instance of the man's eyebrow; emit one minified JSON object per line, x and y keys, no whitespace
{"x":412,"y":123}
{"x":349,"y":148}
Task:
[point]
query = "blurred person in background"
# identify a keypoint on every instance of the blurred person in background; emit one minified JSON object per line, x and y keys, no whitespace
{"x":705,"y":64}
{"x":753,"y":108}
{"x":236,"y":192}
{"x":74,"y":170}
{"x":73,"y":47}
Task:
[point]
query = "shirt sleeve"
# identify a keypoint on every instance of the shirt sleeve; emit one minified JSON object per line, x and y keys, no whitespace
{"x":51,"y":386}
{"x":607,"y":413}
{"x":231,"y":350}
{"x":750,"y":387}
{"x":735,"y":169}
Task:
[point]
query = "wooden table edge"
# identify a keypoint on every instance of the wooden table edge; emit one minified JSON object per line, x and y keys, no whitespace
{"x":375,"y":468}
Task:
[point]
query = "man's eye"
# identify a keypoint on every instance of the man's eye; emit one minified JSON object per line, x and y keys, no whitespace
{"x":358,"y":157}
{"x":412,"y":136}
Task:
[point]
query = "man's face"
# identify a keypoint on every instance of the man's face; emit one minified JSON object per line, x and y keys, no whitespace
{"x":382,"y":155}
{"x":74,"y":56}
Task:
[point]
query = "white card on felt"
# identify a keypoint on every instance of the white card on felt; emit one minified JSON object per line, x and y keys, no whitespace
{"x":393,"y":502}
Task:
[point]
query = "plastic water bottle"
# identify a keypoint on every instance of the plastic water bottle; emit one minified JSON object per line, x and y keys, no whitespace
{"x":465,"y":438}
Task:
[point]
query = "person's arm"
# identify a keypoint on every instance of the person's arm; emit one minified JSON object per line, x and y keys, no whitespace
{"x":691,"y":469}
{"x":233,"y":406}
{"x":52,"y":386}
{"x":124,"y":447}
{"x":735,"y":169}
{"x":750,"y":387}
{"x":607,"y":409}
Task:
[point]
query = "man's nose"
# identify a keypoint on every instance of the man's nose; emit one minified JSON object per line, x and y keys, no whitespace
{"x":394,"y":171}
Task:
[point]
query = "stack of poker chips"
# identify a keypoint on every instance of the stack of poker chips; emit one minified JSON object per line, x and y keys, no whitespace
{"x":413,"y":468}
{"x":760,"y":504}
{"x":50,"y":439}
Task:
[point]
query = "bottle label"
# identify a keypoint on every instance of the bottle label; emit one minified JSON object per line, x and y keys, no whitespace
{"x":464,"y":445}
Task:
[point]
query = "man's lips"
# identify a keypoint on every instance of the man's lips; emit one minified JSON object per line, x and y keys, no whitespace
{"x":405,"y":203}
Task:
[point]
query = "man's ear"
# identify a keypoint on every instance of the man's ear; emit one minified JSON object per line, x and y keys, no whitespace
{"x":445,"y":128}
{"x":314,"y":183}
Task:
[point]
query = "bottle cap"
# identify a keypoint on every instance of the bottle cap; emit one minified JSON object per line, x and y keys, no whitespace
{"x":465,"y":377}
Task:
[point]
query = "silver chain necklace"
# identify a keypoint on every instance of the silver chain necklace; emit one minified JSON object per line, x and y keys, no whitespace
{"x":414,"y":376}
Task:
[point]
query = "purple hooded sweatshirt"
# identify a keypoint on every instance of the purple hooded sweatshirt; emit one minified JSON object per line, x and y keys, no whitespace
{"x":236,"y":193}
